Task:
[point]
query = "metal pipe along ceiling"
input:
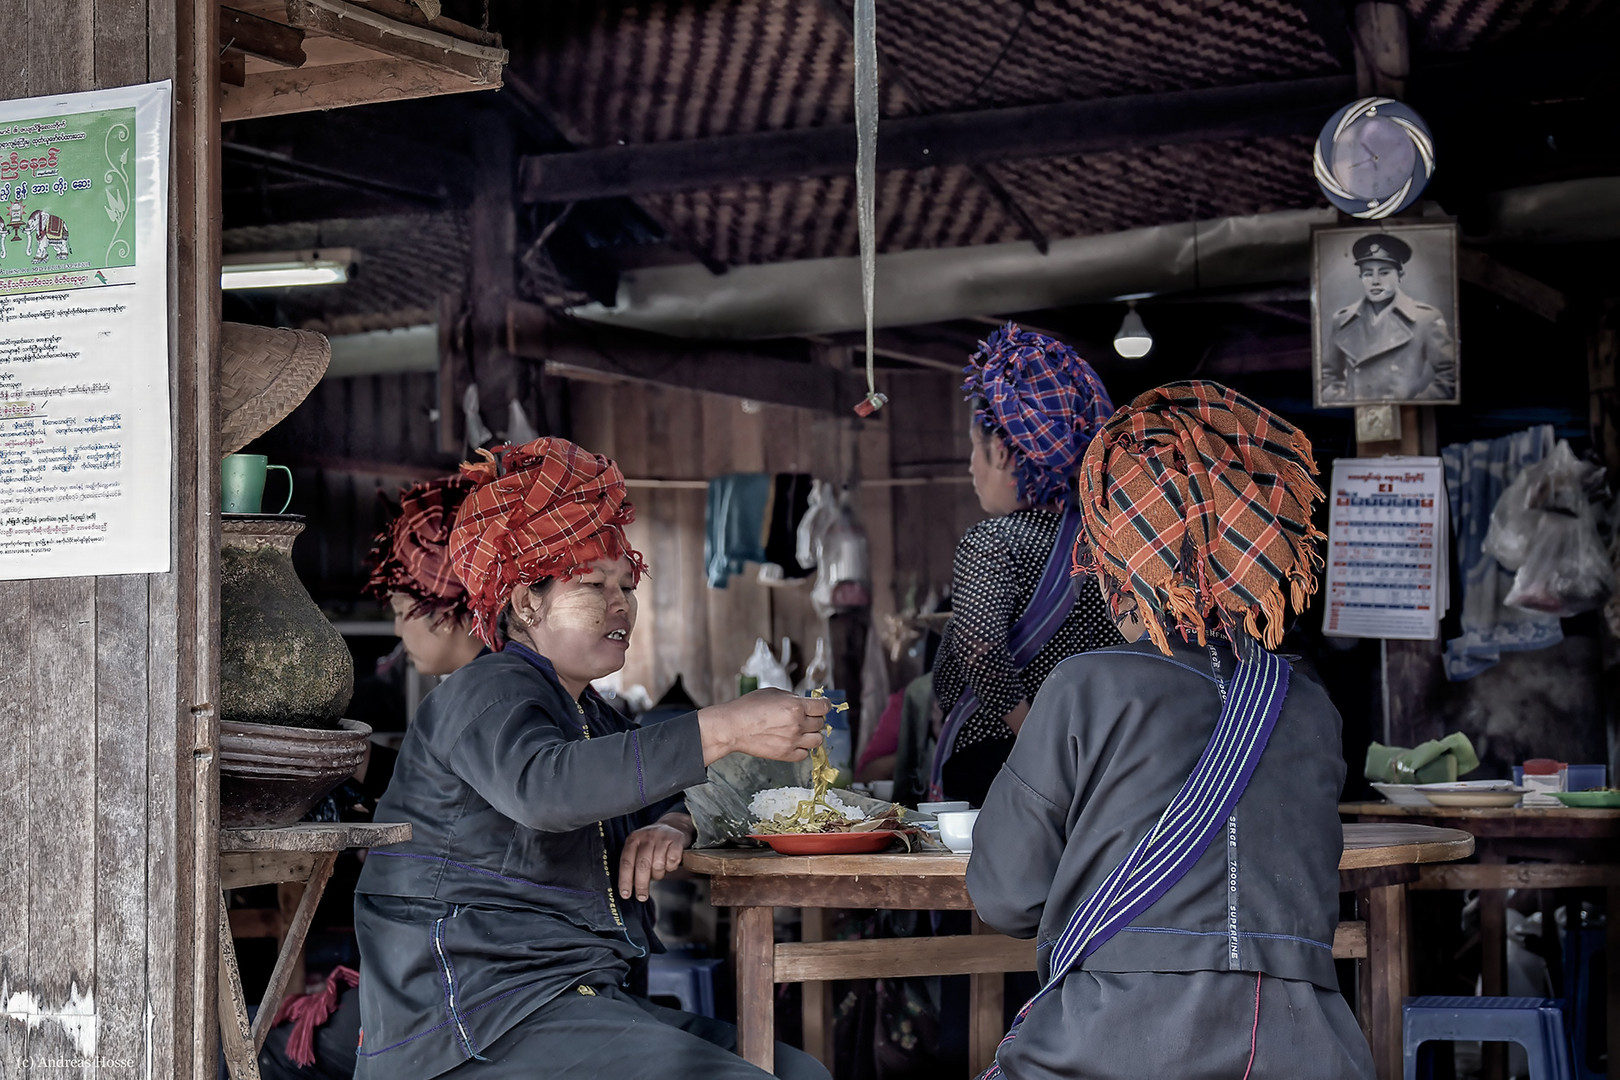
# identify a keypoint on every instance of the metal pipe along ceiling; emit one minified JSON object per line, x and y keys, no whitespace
{"x":823,"y":296}
{"x":820,"y":296}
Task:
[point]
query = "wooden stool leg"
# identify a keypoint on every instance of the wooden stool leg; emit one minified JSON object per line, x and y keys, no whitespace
{"x":987,"y":1006}
{"x":292,"y":948}
{"x":817,"y":996}
{"x":289,"y":894}
{"x":1385,"y":976}
{"x":754,"y":946}
{"x":235,"y":1037}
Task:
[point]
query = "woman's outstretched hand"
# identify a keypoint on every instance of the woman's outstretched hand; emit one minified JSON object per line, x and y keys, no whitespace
{"x":652,"y":852}
{"x":766,"y":723}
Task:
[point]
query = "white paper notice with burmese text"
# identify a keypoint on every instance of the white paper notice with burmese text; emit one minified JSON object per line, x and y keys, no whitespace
{"x":85,"y":450}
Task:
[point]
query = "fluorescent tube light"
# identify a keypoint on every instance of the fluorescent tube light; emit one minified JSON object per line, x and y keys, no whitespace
{"x":287,"y":269}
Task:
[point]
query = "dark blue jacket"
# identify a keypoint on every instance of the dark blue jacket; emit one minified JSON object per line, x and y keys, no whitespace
{"x":1108,"y":742}
{"x":519,"y":799}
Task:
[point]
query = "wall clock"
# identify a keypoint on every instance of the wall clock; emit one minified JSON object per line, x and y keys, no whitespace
{"x":1374,"y":158}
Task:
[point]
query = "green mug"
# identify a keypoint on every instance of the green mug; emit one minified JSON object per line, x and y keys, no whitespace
{"x":241,"y":483}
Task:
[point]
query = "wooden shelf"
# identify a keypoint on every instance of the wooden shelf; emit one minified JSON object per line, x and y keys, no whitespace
{"x":301,"y":55}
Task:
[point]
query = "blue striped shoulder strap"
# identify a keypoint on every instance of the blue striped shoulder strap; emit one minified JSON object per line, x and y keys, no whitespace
{"x":1160,"y":859}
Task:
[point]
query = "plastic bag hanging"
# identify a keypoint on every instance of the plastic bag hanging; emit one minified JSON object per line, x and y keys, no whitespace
{"x":763,"y":665}
{"x":818,"y":672}
{"x":1545,"y":522}
{"x":844,"y":576}
{"x":866,"y":125}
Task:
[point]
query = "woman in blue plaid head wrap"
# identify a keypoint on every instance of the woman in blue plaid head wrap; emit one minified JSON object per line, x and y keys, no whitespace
{"x":1036,"y":406}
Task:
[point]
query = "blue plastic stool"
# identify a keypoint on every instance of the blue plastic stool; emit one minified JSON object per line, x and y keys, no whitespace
{"x":686,"y":978}
{"x":1537,"y":1024}
{"x":1581,"y":944}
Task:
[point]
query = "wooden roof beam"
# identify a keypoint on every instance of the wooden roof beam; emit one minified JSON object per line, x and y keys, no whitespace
{"x":261,"y":37}
{"x":977,"y":138}
{"x":368,"y":26}
{"x":767,"y":373}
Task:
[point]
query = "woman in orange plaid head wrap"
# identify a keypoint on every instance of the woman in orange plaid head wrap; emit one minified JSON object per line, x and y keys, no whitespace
{"x":539,"y":815}
{"x":1167,"y":825}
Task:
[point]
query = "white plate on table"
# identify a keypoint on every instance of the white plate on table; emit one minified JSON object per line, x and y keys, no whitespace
{"x":1473,"y":793}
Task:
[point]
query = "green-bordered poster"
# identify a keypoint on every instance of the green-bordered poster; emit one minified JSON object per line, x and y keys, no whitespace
{"x":85,"y":451}
{"x":66,"y":200}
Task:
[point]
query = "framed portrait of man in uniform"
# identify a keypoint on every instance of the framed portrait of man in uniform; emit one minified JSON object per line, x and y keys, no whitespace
{"x":1384,"y":307}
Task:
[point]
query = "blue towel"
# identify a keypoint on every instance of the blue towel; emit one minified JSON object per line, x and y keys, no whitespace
{"x":739,"y":506}
{"x":1477,"y":473}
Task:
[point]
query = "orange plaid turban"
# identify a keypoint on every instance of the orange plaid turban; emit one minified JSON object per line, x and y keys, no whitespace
{"x":1197,"y":502}
{"x":411,"y":555}
{"x":546,"y":509}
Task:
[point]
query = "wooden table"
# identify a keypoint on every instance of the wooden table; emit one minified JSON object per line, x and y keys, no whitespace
{"x":305,"y":854}
{"x":1378,"y":862}
{"x":1575,"y":849}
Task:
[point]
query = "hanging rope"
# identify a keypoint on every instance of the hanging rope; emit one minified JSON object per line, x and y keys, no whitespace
{"x":866,"y":124}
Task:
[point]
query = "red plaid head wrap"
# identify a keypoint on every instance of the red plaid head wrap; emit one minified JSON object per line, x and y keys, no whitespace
{"x":546,"y":509}
{"x":411,"y":556}
{"x":1197,"y":502}
{"x":1047,"y":400}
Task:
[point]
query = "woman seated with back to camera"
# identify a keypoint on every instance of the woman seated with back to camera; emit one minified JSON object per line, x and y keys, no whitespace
{"x":1167,"y":826}
{"x":498,"y":939}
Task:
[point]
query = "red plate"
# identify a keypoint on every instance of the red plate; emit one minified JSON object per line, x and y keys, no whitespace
{"x":833,"y":843}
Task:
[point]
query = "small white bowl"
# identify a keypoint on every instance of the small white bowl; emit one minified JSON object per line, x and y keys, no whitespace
{"x":882,"y":789}
{"x":940,"y":807}
{"x":956,"y":830}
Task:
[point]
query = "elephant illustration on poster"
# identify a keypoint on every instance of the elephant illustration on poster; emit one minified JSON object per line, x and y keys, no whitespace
{"x":49,"y":233}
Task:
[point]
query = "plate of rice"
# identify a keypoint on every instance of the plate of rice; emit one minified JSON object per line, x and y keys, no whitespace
{"x":792,"y":822}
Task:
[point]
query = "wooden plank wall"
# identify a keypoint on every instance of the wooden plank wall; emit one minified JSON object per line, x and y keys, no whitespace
{"x":663,"y":433}
{"x":352,"y":438}
{"x":930,"y":438}
{"x":107,"y":786}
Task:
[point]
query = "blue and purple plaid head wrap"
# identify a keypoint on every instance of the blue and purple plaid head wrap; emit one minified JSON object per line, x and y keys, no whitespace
{"x":1045,"y":398}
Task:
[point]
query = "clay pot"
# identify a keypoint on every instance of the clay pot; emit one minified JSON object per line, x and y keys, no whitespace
{"x":281,"y":662}
{"x":274,"y":775}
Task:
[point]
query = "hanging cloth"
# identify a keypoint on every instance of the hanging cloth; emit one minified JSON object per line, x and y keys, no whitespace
{"x":1249,"y":710}
{"x":739,"y":507}
{"x":1477,"y":473}
{"x":1054,"y":598}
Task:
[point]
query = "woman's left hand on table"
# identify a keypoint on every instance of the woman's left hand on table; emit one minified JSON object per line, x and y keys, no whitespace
{"x":651,"y":852}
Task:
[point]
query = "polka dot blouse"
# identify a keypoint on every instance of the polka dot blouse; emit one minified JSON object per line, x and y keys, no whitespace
{"x":998,"y":565}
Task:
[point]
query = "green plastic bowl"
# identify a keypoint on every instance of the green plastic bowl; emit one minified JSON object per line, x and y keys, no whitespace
{"x":1590,"y":800}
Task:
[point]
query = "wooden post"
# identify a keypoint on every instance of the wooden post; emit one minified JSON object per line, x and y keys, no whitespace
{"x":108,"y":880}
{"x":1411,"y":669}
{"x":1383,"y":59}
{"x":492,"y":284}
{"x":754,"y":944}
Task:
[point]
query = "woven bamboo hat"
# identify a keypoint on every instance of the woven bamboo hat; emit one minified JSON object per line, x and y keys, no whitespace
{"x":263,"y":374}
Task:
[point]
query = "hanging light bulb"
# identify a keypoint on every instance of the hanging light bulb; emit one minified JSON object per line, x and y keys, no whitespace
{"x":1133,"y":340}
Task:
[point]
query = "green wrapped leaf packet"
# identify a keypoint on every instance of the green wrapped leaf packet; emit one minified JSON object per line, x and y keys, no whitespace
{"x":1438,"y":761}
